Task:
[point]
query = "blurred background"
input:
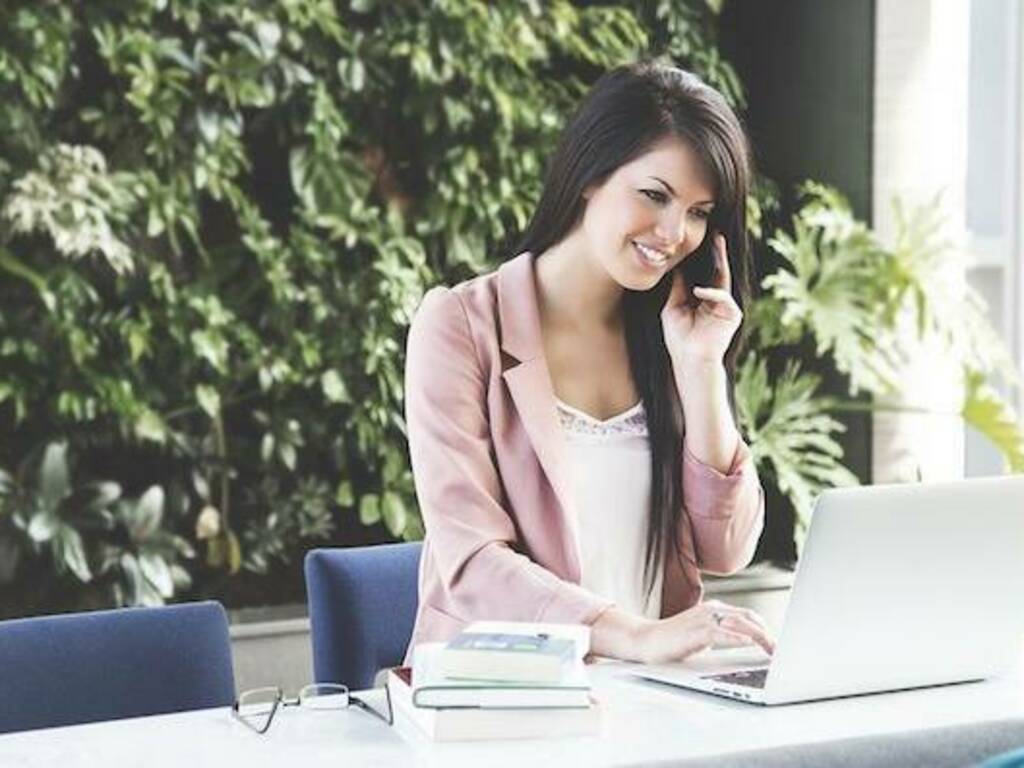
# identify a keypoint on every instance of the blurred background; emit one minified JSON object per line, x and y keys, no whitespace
{"x":217,"y":218}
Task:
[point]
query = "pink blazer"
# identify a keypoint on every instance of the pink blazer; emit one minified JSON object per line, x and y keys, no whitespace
{"x":492,"y":480}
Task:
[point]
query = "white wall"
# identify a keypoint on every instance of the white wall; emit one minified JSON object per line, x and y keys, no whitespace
{"x":948,"y":119}
{"x":920,"y":148}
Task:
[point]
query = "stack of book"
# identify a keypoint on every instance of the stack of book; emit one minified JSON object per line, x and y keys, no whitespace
{"x":499,"y":680}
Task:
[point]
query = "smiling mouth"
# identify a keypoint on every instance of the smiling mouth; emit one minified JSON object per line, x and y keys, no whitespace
{"x":652,"y":255}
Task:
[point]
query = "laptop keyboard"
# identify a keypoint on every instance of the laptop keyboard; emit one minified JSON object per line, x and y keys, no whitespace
{"x":752,"y":678}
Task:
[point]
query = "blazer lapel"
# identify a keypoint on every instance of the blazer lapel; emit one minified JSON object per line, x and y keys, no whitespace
{"x":529,"y":383}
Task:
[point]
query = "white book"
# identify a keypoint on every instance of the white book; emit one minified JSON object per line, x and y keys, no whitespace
{"x":488,"y":724}
{"x":432,"y":689}
{"x":515,"y":652}
{"x":578,"y":633}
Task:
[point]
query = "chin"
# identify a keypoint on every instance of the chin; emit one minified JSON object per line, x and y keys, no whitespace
{"x":639,"y":284}
{"x":634,"y":278}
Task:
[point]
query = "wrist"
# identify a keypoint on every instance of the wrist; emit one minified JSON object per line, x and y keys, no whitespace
{"x":620,"y":635}
{"x":692,"y":365}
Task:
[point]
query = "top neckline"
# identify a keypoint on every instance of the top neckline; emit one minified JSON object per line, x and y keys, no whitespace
{"x":596,"y":421}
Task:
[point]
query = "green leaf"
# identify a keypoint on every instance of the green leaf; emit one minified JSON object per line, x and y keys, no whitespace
{"x":133,"y":576}
{"x":224,"y":551}
{"x":393,"y":510}
{"x":180,"y":578}
{"x":54,"y":477}
{"x":334,"y":387}
{"x":269,"y":35}
{"x":211,"y":346}
{"x":69,"y":551}
{"x":157,"y":573}
{"x":790,"y":433}
{"x":150,"y":426}
{"x":101,"y":495}
{"x":344,"y":495}
{"x":289,"y":457}
{"x":148,"y":514}
{"x":234,"y":552}
{"x":369,"y":509}
{"x":267,"y":446}
{"x":209,"y":400}
{"x":989,"y":413}
{"x":43,"y":526}
{"x":216,"y":552}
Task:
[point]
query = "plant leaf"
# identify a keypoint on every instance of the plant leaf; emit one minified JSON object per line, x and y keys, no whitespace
{"x":149,"y":512}
{"x":369,"y":509}
{"x":70,"y":552}
{"x":990,"y":414}
{"x":54,"y":479}
{"x":157,"y":572}
{"x":791,"y":434}
{"x":43,"y":526}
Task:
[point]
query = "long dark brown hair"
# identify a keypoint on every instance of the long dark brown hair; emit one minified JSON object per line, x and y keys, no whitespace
{"x":624,"y":114}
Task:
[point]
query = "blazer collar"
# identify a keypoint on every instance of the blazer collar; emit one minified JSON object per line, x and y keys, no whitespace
{"x":529,"y":382}
{"x":518,"y":309}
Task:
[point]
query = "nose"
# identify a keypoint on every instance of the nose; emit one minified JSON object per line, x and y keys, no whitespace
{"x":671,"y":230}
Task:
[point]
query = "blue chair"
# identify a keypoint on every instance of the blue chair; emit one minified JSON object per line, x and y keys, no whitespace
{"x":362,"y":605}
{"x":105,"y":665}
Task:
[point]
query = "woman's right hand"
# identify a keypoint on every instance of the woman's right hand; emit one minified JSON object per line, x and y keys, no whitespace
{"x":659,"y":641}
{"x":711,"y":623}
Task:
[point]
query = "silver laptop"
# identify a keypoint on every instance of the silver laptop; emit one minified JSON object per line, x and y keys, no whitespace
{"x":899,"y":586}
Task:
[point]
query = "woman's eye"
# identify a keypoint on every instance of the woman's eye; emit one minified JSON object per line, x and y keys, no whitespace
{"x":656,"y":195}
{"x":701,"y":214}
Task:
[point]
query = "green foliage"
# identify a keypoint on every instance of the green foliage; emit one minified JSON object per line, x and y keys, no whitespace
{"x":865,"y":306}
{"x":216,"y":220}
{"x":90,"y":532}
{"x":831,"y":288}
{"x":988,"y":412}
{"x":791,"y":432}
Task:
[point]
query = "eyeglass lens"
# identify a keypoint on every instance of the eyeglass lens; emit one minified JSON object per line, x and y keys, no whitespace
{"x":257,"y":707}
{"x":324,"y":696}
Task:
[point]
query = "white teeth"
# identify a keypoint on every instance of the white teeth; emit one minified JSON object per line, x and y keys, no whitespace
{"x":655,"y":257}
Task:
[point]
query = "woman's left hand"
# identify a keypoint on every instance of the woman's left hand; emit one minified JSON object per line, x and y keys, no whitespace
{"x":699,"y":331}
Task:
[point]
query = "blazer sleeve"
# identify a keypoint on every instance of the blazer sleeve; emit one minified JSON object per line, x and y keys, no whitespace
{"x":458,"y":484}
{"x":725,"y":511}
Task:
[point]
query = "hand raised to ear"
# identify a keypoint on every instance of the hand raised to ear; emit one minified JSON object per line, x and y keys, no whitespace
{"x":701,"y":330}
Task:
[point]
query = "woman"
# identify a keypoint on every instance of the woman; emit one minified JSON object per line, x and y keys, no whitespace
{"x":573,"y":446}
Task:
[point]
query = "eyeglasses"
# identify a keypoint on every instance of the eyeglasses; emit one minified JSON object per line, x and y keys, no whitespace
{"x":256,"y":708}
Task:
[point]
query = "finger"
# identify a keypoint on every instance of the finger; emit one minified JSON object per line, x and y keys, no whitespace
{"x":749,"y":615}
{"x":717,"y":606}
{"x":721,"y":637}
{"x":723,"y":275}
{"x":741,"y":625}
{"x":721,"y":302}
{"x":716,"y":295}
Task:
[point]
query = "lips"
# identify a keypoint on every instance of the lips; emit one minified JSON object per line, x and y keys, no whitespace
{"x":652,"y":256}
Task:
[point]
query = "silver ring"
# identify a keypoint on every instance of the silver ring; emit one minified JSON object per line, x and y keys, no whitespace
{"x":717,"y":617}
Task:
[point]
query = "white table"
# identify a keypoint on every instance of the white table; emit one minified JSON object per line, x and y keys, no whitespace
{"x":644,"y":723}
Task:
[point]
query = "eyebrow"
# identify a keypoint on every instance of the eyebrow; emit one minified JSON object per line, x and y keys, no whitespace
{"x":669,"y":188}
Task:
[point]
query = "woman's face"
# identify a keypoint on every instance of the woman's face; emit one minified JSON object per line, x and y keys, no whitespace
{"x":649,"y":215}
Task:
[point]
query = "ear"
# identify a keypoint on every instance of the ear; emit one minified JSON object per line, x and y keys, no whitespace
{"x":589,"y":190}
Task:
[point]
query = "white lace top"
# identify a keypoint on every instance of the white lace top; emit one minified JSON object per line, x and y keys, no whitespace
{"x":611,"y":467}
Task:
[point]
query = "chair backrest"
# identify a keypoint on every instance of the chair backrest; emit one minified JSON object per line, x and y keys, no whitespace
{"x":362,"y":605}
{"x":104,"y":665}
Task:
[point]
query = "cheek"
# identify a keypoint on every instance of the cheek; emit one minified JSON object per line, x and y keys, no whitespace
{"x":633,"y":219}
{"x":617,"y":218}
